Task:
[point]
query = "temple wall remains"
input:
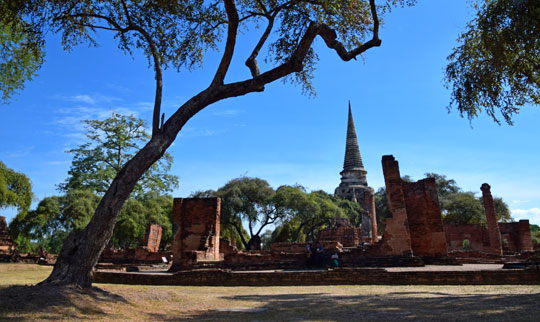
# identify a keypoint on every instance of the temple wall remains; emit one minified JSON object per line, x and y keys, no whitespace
{"x":152,"y":239}
{"x":196,"y":230}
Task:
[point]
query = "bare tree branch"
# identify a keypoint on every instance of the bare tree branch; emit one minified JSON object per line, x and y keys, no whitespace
{"x":251,"y":62}
{"x":232,"y":30}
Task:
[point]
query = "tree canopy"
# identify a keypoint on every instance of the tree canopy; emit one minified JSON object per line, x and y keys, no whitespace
{"x":496,"y":66}
{"x":110,"y":144}
{"x":15,"y":189}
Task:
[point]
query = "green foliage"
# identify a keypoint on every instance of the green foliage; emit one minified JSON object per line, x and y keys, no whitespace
{"x":496,"y":65}
{"x":15,"y":189}
{"x":179,"y":33}
{"x":111,"y":143}
{"x":21,"y":52}
{"x":308,"y":213}
{"x":250,"y":200}
{"x":54,"y":218}
{"x":382,"y":210}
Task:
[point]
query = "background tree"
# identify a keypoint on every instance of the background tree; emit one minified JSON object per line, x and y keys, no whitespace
{"x":309,"y":213}
{"x":54,"y":218}
{"x":111,"y":143}
{"x":176,"y":34}
{"x":496,"y":67}
{"x":15,"y":189}
{"x":251,"y":200}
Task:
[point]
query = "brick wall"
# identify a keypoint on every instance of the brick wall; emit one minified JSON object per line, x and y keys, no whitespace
{"x":196,"y":228}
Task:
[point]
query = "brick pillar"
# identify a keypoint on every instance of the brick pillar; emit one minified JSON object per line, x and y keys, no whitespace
{"x":493,"y":227}
{"x":397,"y":239}
{"x":369,"y":203}
{"x":525,"y":241}
{"x":153,"y":237}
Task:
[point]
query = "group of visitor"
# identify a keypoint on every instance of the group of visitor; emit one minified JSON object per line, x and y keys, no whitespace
{"x":315,"y":256}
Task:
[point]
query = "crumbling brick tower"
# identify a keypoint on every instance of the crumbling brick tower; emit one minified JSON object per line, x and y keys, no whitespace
{"x":495,"y":243}
{"x":196,"y":231}
{"x":354,"y":184}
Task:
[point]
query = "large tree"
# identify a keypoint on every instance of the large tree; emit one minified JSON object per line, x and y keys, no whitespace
{"x":496,"y":66}
{"x":176,"y":34}
{"x":110,"y":144}
{"x":250,"y":200}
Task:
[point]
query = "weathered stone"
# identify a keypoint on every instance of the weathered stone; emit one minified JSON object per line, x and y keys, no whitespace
{"x":493,"y":226}
{"x":196,"y":230}
{"x":396,"y":239}
{"x":152,"y":239}
{"x":343,"y":233}
{"x":424,"y":217}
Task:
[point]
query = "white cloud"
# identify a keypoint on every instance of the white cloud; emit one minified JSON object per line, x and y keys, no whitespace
{"x":227,"y":113}
{"x":21,"y":152}
{"x":88,"y":98}
{"x":533,"y":214}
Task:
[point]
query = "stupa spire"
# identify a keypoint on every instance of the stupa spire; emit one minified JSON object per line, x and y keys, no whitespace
{"x":353,"y":160}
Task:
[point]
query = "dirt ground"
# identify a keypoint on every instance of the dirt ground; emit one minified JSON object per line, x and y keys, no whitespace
{"x":21,"y":301}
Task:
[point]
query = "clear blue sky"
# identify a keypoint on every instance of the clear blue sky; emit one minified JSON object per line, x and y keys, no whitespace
{"x":397,"y":94}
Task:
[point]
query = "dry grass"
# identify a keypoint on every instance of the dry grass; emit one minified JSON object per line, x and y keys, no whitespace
{"x":312,"y":303}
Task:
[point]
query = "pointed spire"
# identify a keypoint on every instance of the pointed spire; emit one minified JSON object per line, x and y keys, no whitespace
{"x":353,"y":160}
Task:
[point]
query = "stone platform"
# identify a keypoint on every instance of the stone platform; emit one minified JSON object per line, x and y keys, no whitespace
{"x":429,"y":275}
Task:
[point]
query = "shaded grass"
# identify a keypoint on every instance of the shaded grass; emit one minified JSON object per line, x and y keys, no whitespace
{"x":290,"y":303}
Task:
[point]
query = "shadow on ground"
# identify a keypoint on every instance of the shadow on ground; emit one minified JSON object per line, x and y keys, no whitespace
{"x":398,"y":306}
{"x":74,"y":302}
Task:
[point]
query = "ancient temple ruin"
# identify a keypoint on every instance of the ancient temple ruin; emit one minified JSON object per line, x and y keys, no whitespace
{"x":354,"y":184}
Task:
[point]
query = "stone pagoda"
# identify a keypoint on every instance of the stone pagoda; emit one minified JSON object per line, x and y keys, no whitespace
{"x":354,"y":184}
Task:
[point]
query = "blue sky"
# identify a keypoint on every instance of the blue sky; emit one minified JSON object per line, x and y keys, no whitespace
{"x":397,"y":94}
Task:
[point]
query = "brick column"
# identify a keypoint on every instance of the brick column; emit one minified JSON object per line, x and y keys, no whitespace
{"x":525,"y":241}
{"x":493,"y":227}
{"x":396,"y":239}
{"x":369,"y":203}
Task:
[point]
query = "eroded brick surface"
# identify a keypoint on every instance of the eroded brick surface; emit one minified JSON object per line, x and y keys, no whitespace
{"x":342,"y":232}
{"x":196,"y":230}
{"x":396,"y":239}
{"x":493,"y":227}
{"x":7,"y":246}
{"x":424,"y":216}
{"x":152,"y":238}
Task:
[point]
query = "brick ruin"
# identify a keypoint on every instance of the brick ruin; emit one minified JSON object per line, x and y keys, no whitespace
{"x":342,"y":232}
{"x":7,"y":246}
{"x":413,"y":235}
{"x":152,"y":238}
{"x":415,"y":227}
{"x":196,"y":231}
{"x":495,"y":238}
{"x":148,"y":253}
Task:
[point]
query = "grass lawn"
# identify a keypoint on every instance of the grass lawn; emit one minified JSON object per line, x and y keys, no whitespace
{"x":291,"y":303}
